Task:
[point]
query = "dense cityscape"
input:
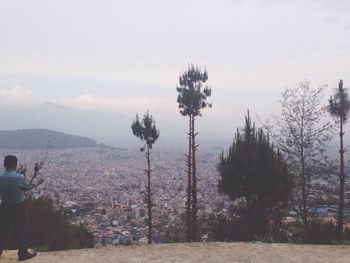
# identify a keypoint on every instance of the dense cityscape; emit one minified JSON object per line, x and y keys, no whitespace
{"x":101,"y":188}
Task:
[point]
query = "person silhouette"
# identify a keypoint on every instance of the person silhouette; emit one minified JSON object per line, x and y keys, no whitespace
{"x":12,"y":188}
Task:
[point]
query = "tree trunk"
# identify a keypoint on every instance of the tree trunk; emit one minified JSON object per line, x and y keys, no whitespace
{"x":194,"y":184}
{"x":249,"y":237}
{"x":305,"y":214}
{"x":149,"y":197}
{"x":341,"y":185}
{"x":189,"y":183}
{"x":304,"y":182}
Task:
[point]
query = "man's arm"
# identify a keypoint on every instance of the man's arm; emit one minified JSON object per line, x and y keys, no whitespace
{"x":24,"y":184}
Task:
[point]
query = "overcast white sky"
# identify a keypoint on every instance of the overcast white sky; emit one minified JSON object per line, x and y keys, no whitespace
{"x":126,"y":56}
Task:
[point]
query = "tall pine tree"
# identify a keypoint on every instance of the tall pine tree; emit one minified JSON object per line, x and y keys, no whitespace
{"x":148,"y":133}
{"x":192,"y":98}
{"x":339,"y":107}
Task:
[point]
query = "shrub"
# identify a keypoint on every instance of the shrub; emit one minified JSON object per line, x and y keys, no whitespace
{"x":49,"y":229}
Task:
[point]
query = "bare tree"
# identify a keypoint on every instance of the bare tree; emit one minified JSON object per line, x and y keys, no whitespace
{"x":302,"y":134}
{"x":34,"y":182}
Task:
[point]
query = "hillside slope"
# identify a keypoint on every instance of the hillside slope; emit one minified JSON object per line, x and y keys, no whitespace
{"x":196,"y":253}
{"x":52,"y":116}
{"x":41,"y":138}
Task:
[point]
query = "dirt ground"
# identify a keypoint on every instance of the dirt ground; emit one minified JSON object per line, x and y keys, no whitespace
{"x":196,"y":253}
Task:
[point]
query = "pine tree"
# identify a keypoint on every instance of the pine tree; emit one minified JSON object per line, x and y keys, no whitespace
{"x":147,"y":131}
{"x":255,"y":173}
{"x":339,"y":107}
{"x":192,"y":96}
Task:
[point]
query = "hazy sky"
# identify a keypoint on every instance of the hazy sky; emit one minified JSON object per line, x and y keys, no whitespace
{"x":126,"y":56}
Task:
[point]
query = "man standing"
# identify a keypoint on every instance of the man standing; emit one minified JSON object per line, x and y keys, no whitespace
{"x":12,"y":187}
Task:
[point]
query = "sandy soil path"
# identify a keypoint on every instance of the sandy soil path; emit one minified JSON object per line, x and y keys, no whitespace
{"x":196,"y":253}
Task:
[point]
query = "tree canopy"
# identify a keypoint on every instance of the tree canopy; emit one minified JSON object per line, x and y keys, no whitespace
{"x":255,"y":173}
{"x":145,"y":129}
{"x":193,"y":92}
{"x":339,"y":104}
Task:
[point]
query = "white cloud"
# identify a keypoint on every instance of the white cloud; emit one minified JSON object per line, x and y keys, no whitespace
{"x":16,"y":96}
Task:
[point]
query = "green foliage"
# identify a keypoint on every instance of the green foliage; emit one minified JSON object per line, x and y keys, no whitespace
{"x":339,"y":105}
{"x":224,"y":228}
{"x":145,"y":129}
{"x":257,"y":176}
{"x":175,"y":234}
{"x":49,"y":229}
{"x":320,"y":231}
{"x":193,"y":92}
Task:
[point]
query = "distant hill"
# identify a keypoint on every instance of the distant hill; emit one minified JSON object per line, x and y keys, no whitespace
{"x":109,"y":128}
{"x":92,"y":124}
{"x":41,"y":138}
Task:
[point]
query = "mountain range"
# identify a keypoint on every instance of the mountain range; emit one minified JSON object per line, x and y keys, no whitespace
{"x":109,"y":128}
{"x":112,"y":128}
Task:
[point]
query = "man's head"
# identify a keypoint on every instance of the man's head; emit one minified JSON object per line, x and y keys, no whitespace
{"x":10,"y":162}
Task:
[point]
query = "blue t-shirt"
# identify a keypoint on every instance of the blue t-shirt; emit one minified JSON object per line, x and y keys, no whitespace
{"x":12,"y":186}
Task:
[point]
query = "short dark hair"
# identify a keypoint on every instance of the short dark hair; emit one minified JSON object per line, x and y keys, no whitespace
{"x":10,"y":161}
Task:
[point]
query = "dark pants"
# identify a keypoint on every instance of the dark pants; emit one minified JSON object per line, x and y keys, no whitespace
{"x":12,"y":215}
